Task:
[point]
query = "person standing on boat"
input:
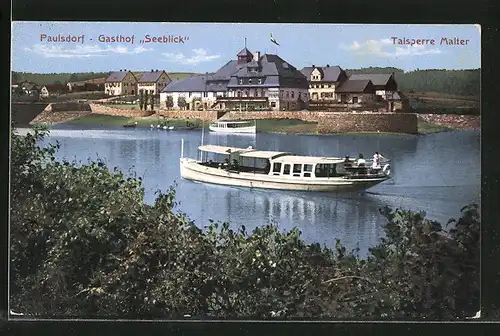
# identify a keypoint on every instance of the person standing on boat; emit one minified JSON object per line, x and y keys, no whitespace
{"x":377,"y":159}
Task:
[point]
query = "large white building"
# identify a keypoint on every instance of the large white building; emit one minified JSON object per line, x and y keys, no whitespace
{"x":251,"y":82}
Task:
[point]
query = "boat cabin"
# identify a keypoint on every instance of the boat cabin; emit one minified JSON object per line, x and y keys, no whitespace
{"x":232,"y":124}
{"x":284,"y":164}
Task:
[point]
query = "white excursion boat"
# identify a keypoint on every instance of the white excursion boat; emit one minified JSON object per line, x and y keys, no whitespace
{"x":233,"y":127}
{"x":248,"y":167}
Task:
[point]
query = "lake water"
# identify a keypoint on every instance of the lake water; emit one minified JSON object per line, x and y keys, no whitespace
{"x":436,"y":173}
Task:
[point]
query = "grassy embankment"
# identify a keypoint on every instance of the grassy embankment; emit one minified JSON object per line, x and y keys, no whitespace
{"x":427,"y":128}
{"x":109,"y":120}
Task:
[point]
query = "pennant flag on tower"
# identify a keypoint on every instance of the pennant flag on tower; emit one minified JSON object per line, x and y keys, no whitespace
{"x":274,"y":40}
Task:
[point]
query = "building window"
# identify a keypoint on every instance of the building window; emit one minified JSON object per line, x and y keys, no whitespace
{"x":189,"y":94}
{"x":250,"y":81}
{"x":238,"y":93}
{"x":241,"y":81}
{"x":260,"y":81}
{"x":300,"y":94}
{"x":293,"y":94}
{"x":273,"y":104}
{"x":282,"y":92}
{"x":256,"y":93}
{"x":287,"y":94}
{"x":205,"y":94}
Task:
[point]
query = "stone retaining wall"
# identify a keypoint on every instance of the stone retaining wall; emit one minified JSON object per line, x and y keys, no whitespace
{"x":101,"y":109}
{"x":340,"y":122}
{"x":50,"y":117}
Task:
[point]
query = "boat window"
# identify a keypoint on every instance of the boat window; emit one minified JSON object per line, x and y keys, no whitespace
{"x":308,"y":168}
{"x":325,"y":170}
{"x":297,"y":169}
{"x":286,"y":169}
{"x":276,"y":168}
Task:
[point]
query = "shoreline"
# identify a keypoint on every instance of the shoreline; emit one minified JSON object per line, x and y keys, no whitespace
{"x":427,"y":124}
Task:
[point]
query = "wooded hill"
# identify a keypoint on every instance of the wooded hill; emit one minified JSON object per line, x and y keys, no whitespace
{"x":54,"y":78}
{"x":456,"y":82}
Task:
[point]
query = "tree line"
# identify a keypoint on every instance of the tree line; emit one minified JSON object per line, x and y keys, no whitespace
{"x":457,"y":82}
{"x":85,"y":244}
{"x":56,"y":78}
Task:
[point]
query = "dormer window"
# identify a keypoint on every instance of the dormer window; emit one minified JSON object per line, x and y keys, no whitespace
{"x":250,"y":81}
{"x":260,"y":80}
{"x":241,"y":81}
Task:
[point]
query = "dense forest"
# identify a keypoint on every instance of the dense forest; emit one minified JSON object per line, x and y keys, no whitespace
{"x":456,"y":82}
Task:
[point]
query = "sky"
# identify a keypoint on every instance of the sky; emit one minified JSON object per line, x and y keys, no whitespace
{"x":205,"y":47}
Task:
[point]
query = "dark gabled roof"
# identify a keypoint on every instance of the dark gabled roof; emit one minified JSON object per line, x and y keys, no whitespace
{"x":354,"y":86}
{"x":117,"y":76}
{"x":330,"y":73}
{"x":244,"y":52}
{"x":191,"y":84}
{"x":150,"y":77}
{"x":269,"y":65}
{"x":55,"y":87}
{"x":225,"y":72}
{"x":377,"y":79}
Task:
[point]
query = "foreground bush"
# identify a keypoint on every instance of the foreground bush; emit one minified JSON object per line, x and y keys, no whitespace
{"x":84,"y":243}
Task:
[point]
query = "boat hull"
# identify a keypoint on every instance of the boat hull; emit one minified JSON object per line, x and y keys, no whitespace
{"x":249,"y":129}
{"x":192,"y":170}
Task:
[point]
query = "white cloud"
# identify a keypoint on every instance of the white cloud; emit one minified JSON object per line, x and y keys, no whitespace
{"x":386,"y":48}
{"x":198,"y":56}
{"x":79,"y":51}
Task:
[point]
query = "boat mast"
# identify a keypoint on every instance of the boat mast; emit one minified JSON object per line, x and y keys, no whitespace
{"x":202,"y":137}
{"x":182,"y":148}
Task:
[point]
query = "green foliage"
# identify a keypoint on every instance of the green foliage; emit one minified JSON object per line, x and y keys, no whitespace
{"x":84,"y":243}
{"x":458,"y":82}
{"x":44,"y":79}
{"x":169,"y":102}
{"x":181,"y":102}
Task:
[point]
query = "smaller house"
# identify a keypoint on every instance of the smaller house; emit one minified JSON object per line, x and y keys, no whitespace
{"x":323,"y":81}
{"x":398,"y":102}
{"x":121,"y":82}
{"x":153,"y":82}
{"x":28,"y":88}
{"x":52,"y":90}
{"x":357,"y":92}
{"x":44,"y":92}
{"x":384,"y":83}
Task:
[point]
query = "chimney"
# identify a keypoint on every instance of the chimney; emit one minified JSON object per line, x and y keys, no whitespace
{"x":314,"y":66}
{"x":152,"y":70}
{"x":328,"y":65}
{"x":256,"y":56}
{"x":156,"y":70}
